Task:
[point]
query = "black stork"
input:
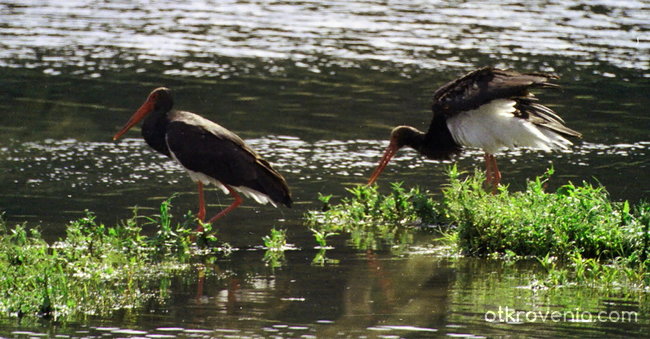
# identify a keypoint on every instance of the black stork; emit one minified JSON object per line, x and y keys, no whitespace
{"x":488,"y":108}
{"x":209,"y":153}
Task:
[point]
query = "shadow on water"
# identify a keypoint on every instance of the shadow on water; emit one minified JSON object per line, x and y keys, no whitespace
{"x":315,"y":87}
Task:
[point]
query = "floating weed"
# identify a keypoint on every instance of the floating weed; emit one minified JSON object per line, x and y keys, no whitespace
{"x":575,"y":219}
{"x":94,"y":269}
{"x":596,"y":241}
{"x":275,"y":244}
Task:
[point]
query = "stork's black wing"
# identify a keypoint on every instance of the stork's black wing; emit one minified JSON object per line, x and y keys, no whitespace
{"x":486,"y":84}
{"x":206,"y":147}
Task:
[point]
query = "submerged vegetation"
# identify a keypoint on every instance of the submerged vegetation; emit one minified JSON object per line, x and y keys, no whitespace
{"x":94,"y":269}
{"x":576,"y":233}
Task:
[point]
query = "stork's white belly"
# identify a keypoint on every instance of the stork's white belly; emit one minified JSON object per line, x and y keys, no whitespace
{"x":259,"y":197}
{"x":493,"y":127}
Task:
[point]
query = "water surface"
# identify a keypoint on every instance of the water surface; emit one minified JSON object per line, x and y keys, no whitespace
{"x":315,"y":87}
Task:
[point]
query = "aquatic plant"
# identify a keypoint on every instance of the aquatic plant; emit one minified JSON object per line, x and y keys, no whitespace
{"x":276,"y":240}
{"x":321,"y":237}
{"x":275,"y":244}
{"x":575,"y":219}
{"x":94,"y":269}
{"x":579,"y":225}
{"x":374,"y":220}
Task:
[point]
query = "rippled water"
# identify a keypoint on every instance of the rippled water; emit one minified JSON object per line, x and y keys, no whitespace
{"x":431,"y":34}
{"x":315,"y":87}
{"x":78,"y":169}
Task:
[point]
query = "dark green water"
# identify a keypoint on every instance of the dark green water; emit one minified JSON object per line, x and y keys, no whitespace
{"x":315,"y":87}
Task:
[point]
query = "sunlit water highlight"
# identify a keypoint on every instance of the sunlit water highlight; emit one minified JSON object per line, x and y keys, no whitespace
{"x":89,"y":174}
{"x":315,"y":87}
{"x":88,"y":164}
{"x":88,"y":35}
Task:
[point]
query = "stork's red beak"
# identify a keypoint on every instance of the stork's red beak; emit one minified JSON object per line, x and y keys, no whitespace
{"x":388,"y":154}
{"x":145,"y":109}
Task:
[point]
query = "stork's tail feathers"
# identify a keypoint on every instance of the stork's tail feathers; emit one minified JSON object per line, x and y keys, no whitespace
{"x":544,"y":117}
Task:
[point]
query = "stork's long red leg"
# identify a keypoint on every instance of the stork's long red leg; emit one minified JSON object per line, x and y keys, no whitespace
{"x":237,"y":202}
{"x":492,"y":174}
{"x":496,"y":173}
{"x":488,"y":169}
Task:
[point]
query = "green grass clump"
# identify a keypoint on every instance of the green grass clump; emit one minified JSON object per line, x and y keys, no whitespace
{"x":373,"y":219}
{"x":94,"y":269}
{"x":576,"y":219}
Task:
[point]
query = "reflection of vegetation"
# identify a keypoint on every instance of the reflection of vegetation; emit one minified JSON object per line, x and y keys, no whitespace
{"x":95,"y":269}
{"x":515,"y":284}
{"x":274,"y":258}
{"x":321,"y":258}
{"x":372,"y":219}
{"x":592,"y":238}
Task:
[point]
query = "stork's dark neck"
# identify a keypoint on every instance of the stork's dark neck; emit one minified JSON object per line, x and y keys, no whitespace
{"x":437,"y":143}
{"x":440,"y":144}
{"x":154,"y":129}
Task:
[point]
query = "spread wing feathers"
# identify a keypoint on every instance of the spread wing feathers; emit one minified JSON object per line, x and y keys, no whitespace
{"x":218,"y":153}
{"x":484,"y":85}
{"x":542,"y":116}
